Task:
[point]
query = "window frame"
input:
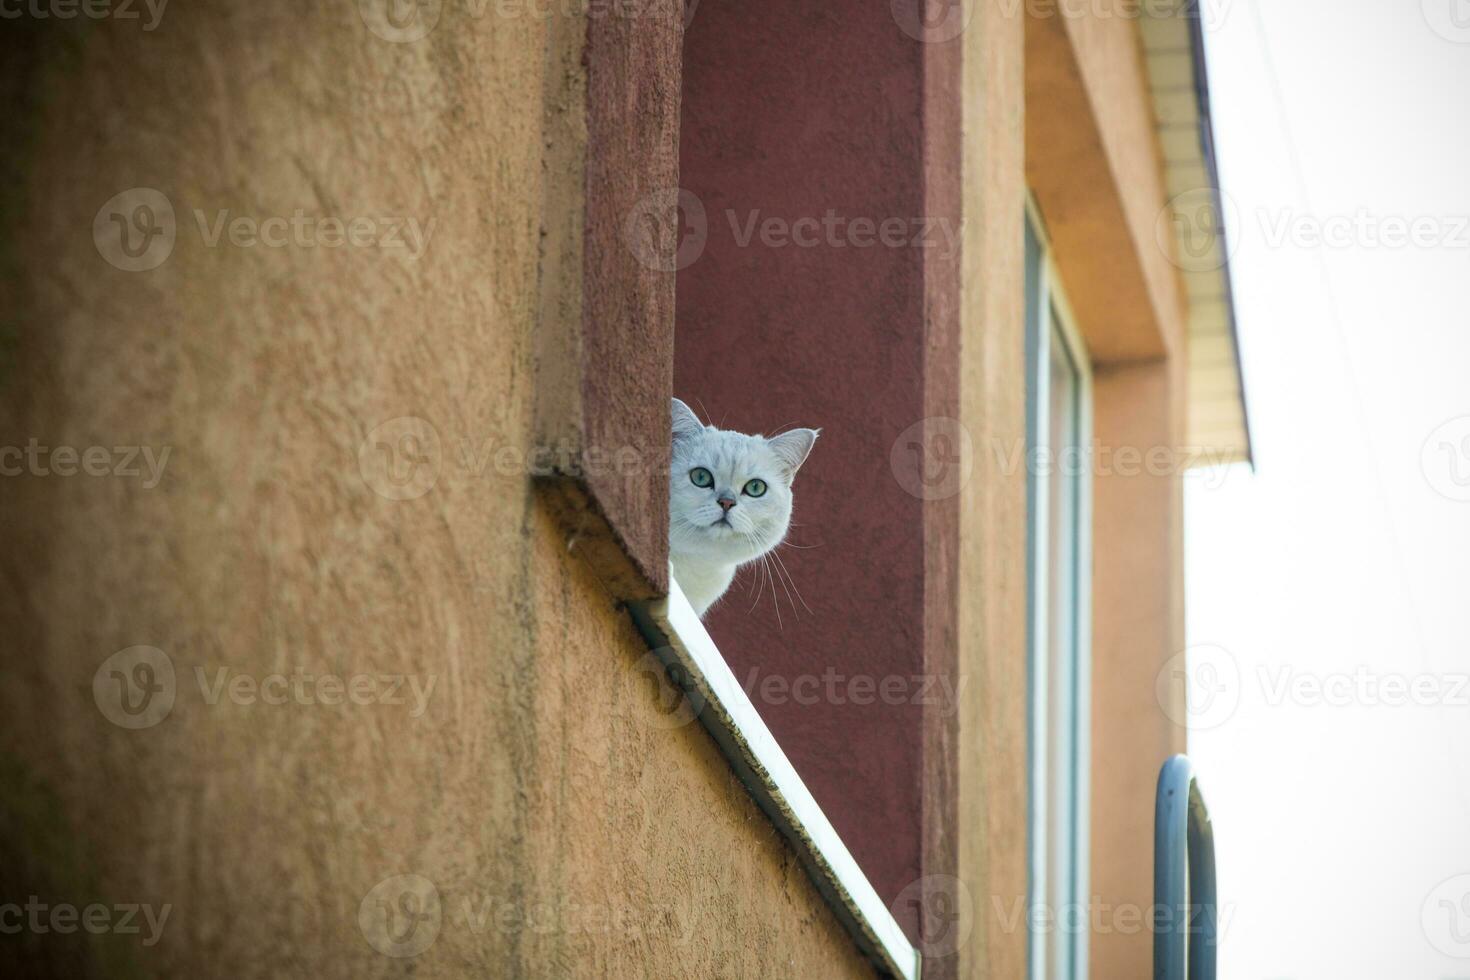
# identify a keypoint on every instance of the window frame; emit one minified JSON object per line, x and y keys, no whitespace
{"x":1048,"y":318}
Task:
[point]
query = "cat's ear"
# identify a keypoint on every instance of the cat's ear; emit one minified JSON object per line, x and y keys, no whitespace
{"x":791,"y":448}
{"x":686,"y":423}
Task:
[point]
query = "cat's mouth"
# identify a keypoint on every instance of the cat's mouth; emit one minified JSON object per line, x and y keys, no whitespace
{"x":722,"y":528}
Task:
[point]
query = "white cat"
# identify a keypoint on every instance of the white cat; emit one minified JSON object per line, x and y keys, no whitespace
{"x":730,"y":501}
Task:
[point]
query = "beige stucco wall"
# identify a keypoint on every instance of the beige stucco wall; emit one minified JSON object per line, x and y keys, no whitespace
{"x":992,"y":825}
{"x":541,"y":777}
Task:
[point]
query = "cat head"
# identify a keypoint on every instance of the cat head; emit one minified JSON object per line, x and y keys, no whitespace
{"x":730,"y":493}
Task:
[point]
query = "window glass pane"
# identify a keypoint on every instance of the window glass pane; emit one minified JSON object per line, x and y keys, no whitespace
{"x":1038,"y":709}
{"x":1058,"y":749}
{"x":1063,"y":482}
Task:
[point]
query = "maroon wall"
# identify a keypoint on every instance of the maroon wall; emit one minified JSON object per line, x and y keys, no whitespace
{"x":792,"y":109}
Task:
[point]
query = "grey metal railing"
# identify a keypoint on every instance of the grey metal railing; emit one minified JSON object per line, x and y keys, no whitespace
{"x":1185,"y":914}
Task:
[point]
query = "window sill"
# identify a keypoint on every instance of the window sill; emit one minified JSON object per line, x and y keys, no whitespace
{"x":674,"y":632}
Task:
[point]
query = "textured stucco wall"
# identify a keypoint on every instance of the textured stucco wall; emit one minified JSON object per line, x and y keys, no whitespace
{"x":991,"y":757}
{"x":567,"y":824}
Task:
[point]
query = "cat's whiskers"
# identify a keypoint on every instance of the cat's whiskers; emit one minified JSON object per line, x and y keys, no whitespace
{"x":765,"y":567}
{"x":788,"y":543}
{"x":775,"y":553}
{"x":760,"y":589}
{"x":774,"y":572}
{"x":775,"y":600}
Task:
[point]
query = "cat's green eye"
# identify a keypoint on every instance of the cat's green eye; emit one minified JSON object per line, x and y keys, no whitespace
{"x":755,"y":488}
{"x":701,"y":477}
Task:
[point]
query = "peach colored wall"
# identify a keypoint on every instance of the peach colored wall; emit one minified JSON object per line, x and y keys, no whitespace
{"x":1094,"y":165}
{"x":1109,"y":52}
{"x":541,"y":778}
{"x":1138,"y":625}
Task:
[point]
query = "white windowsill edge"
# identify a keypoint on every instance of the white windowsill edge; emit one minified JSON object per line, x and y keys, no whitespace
{"x":680,"y":640}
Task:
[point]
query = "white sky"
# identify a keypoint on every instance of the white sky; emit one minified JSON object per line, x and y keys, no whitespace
{"x":1338,"y":825}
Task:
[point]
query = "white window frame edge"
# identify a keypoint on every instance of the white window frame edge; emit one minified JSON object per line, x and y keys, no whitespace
{"x":1050,"y":294}
{"x":673,"y":630}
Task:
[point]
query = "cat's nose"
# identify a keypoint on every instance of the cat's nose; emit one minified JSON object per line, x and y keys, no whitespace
{"x":726,"y":503}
